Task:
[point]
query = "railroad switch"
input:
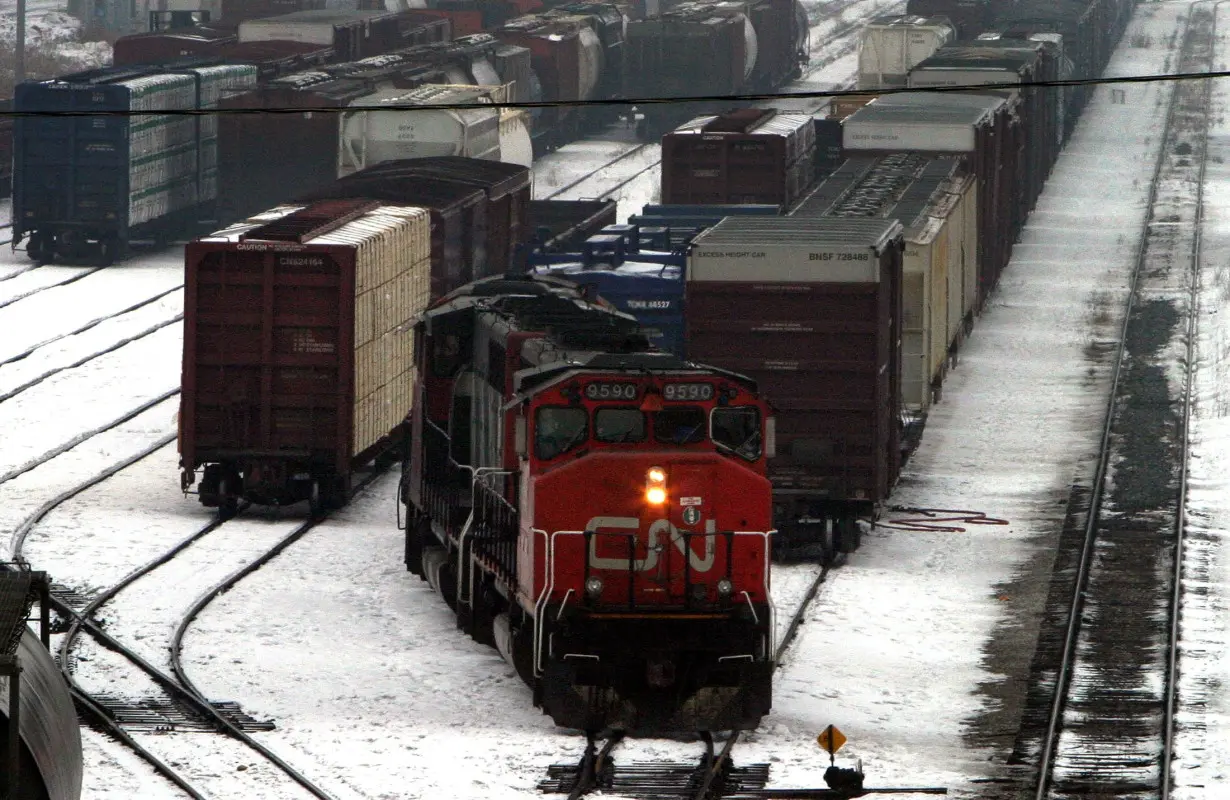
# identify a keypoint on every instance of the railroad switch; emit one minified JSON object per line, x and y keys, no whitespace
{"x":848,"y":781}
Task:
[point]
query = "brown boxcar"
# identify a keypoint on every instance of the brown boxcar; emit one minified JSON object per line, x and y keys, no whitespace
{"x":811,"y":309}
{"x":1006,"y":61}
{"x":508,"y":197}
{"x":934,"y":199}
{"x":566,"y":55}
{"x":458,"y":219}
{"x":267,"y":159}
{"x":751,"y":156}
{"x":272,"y":59}
{"x":298,"y":365}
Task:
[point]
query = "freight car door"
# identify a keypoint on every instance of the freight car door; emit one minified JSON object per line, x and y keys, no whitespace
{"x":268,"y":354}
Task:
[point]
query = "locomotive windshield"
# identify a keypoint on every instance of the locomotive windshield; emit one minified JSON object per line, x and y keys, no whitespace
{"x":679,"y":425}
{"x":734,"y":429}
{"x":619,"y":425}
{"x":559,"y":429}
{"x":737,"y":428}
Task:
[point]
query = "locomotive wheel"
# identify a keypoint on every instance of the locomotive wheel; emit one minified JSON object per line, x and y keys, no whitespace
{"x":414,"y":544}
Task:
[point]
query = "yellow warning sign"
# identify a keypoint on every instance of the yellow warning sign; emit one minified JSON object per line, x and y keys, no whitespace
{"x":831,"y":740}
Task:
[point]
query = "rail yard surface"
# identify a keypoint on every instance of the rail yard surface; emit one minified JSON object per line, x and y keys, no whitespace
{"x":350,"y":676}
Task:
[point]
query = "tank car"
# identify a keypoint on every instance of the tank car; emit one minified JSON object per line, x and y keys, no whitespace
{"x":40,"y":744}
{"x":595,"y":509}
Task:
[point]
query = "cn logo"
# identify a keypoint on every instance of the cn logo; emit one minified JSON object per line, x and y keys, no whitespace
{"x":698,"y":563}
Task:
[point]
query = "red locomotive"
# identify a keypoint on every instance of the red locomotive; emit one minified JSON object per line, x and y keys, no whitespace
{"x":595,"y":509}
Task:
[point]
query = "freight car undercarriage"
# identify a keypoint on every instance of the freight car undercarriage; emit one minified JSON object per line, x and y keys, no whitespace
{"x":276,"y":480}
{"x":101,"y":245}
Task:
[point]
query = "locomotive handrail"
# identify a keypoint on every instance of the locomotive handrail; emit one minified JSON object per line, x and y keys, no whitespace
{"x":478,"y":478}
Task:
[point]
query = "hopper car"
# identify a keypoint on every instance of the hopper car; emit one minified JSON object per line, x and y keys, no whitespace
{"x":595,"y":509}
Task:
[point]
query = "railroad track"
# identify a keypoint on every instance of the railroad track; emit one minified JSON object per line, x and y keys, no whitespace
{"x":712,"y":778}
{"x":181,"y":704}
{"x":1110,"y":723}
{"x":38,"y":376}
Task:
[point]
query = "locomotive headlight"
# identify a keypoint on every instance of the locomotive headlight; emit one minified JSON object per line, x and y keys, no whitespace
{"x":725,"y":587}
{"x":593,"y":586}
{"x":655,"y":486}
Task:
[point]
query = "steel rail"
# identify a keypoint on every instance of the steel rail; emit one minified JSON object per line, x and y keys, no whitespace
{"x":70,"y":279}
{"x":91,"y":324}
{"x":85,"y":702}
{"x":1176,"y":600}
{"x":1072,"y":629}
{"x":715,"y":767}
{"x":190,"y":698}
{"x":85,"y":436}
{"x":18,"y":540}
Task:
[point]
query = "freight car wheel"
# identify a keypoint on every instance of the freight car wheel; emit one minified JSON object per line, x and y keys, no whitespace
{"x":37,"y":248}
{"x":316,"y":504}
{"x":336,"y":492}
{"x":825,"y":538}
{"x":228,"y":500}
{"x":848,"y":536}
{"x":106,"y":252}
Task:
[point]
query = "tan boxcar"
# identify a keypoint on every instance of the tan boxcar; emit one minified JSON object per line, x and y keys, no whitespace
{"x":298,"y":355}
{"x":929,"y":195}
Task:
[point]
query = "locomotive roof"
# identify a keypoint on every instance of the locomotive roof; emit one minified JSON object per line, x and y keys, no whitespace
{"x":582,"y":334}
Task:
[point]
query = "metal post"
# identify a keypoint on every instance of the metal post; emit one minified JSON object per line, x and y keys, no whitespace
{"x":19,"y":64}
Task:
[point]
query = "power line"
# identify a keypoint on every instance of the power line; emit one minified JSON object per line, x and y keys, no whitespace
{"x":620,"y":102}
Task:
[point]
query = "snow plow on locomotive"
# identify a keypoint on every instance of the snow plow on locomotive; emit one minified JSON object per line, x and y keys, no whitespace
{"x":595,"y":509}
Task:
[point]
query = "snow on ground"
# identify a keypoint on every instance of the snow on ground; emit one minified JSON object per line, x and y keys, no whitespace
{"x":1202,"y":737}
{"x":22,"y":496}
{"x":49,"y":26}
{"x":63,"y":309}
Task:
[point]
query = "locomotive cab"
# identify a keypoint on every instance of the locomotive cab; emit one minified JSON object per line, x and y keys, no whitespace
{"x":597,"y":510}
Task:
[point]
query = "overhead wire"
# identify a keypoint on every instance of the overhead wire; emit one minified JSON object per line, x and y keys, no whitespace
{"x":750,"y":97}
